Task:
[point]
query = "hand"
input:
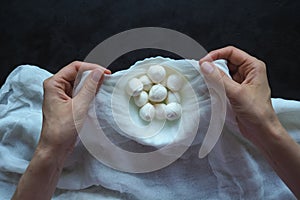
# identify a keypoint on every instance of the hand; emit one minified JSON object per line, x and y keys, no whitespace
{"x":249,"y":94}
{"x":248,"y":91}
{"x":62,"y":112}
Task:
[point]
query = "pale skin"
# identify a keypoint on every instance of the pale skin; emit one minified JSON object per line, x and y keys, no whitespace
{"x":250,"y":97}
{"x":248,"y":92}
{"x":62,"y":114}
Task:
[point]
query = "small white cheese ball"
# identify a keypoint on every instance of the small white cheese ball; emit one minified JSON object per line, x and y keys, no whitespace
{"x":174,"y":82}
{"x":173,"y":97}
{"x":160,"y":112}
{"x":147,"y":83}
{"x":173,"y":111}
{"x":156,"y":73}
{"x":134,"y":87}
{"x":147,"y":112}
{"x":158,"y":93}
{"x":142,"y":99}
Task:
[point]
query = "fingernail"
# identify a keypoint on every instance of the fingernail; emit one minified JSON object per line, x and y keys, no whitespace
{"x":96,"y":75}
{"x":207,"y":67}
{"x":107,"y":71}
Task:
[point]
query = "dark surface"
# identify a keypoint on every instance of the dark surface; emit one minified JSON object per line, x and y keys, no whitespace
{"x":51,"y":34}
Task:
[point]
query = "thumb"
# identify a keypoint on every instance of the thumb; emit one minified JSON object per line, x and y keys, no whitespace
{"x":87,"y":93}
{"x":215,"y":76}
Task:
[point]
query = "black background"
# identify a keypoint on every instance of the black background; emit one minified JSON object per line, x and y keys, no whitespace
{"x":51,"y":34}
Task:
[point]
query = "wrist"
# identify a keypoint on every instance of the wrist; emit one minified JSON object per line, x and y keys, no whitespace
{"x":49,"y":155}
{"x":57,"y":140}
{"x":270,"y":133}
{"x":50,"y":146}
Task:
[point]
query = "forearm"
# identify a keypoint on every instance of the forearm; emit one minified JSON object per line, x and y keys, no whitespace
{"x":63,"y":114}
{"x":250,"y":96}
{"x":41,"y":176}
{"x":283,"y":154}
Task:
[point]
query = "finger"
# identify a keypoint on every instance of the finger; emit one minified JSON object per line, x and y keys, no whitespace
{"x":70,"y":72}
{"x":234,"y":55}
{"x":87,"y":93}
{"x":214,"y":76}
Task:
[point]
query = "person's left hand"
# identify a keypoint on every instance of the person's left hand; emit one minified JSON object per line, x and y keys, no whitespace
{"x":62,"y":112}
{"x":62,"y":115}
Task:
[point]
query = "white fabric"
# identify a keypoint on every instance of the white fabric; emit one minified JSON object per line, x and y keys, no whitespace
{"x":194,"y":101}
{"x":117,"y":116}
{"x":233,"y":170}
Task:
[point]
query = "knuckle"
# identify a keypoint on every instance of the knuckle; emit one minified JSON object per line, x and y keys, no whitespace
{"x":230,"y":47}
{"x":262,"y":63}
{"x":76,"y":63}
{"x":47,"y":83}
{"x":261,"y":66}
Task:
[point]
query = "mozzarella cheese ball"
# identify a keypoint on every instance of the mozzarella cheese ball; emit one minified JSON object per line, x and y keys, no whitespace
{"x":156,"y":73}
{"x":147,"y":112}
{"x":173,"y":111}
{"x":173,"y":97}
{"x":147,"y":83}
{"x":160,"y":112}
{"x":174,"y":82}
{"x":141,"y":99}
{"x":158,"y":93}
{"x":134,"y":87}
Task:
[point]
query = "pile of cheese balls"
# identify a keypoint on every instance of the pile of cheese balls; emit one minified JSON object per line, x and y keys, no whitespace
{"x":156,"y":94}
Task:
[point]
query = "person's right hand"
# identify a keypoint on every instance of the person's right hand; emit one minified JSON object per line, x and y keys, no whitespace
{"x":248,"y":91}
{"x":250,"y":96}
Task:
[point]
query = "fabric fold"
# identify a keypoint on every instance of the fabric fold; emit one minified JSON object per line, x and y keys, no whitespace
{"x":233,"y":170}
